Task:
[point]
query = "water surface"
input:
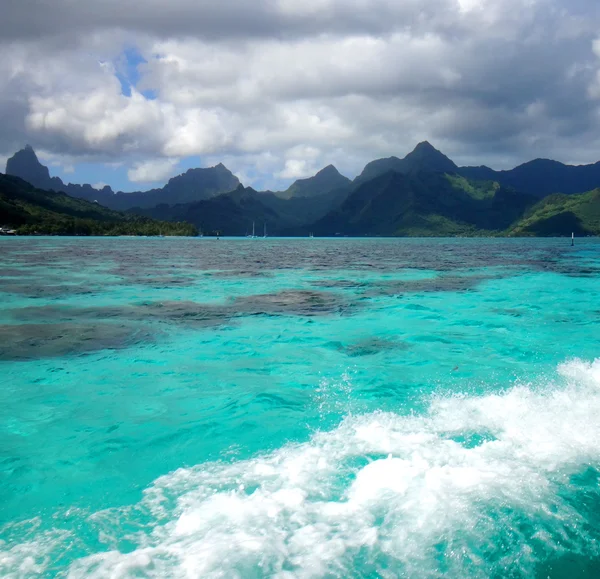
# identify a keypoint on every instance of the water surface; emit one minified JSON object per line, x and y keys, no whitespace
{"x":299,"y":408}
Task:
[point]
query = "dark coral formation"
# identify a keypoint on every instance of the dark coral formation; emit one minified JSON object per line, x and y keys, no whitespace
{"x":34,"y":341}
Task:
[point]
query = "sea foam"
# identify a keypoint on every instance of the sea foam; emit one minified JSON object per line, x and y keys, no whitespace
{"x":476,"y":486}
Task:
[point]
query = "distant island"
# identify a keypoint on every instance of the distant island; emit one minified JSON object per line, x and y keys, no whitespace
{"x":423,"y":194}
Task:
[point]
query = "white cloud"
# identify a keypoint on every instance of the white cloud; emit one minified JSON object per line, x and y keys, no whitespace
{"x":295,"y":169}
{"x":99,"y":186}
{"x":95,"y":121}
{"x":152,"y":171}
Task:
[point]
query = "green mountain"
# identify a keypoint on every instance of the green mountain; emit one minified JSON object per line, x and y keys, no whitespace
{"x":229,"y":214}
{"x":298,"y":211}
{"x":325,"y":181}
{"x":424,"y":157}
{"x":424,"y":193}
{"x":539,"y":177}
{"x":233,"y":213}
{"x":193,"y":185}
{"x":32,"y":210}
{"x":542,"y":177}
{"x":425,"y":204}
{"x":559,"y":215}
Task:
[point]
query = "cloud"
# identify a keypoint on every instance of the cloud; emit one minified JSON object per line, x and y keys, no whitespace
{"x":301,"y":162}
{"x":277,"y":89}
{"x":152,"y":171}
{"x":223,"y":21}
{"x":99,"y":186}
{"x":295,"y":169}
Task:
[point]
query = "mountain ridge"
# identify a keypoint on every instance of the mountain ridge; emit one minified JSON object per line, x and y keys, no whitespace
{"x":538,"y":177}
{"x":425,"y":193}
{"x":425,"y":203}
{"x":193,"y":185}
{"x":323,"y":182}
{"x":423,"y":157}
{"x":230,"y":213}
{"x":559,"y":215}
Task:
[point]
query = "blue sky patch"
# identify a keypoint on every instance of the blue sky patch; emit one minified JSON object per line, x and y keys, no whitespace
{"x":92,"y":173}
{"x":128,"y":72}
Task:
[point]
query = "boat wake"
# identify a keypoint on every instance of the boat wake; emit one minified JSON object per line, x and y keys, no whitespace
{"x":478,"y":486}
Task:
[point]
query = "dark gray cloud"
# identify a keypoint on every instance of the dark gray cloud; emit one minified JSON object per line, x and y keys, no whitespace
{"x":284,"y":19}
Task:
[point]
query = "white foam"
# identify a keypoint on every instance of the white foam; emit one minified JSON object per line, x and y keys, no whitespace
{"x":31,"y":558}
{"x":473,"y":484}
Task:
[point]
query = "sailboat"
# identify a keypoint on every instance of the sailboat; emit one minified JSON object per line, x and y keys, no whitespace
{"x":265,"y":232}
{"x":311,"y":235}
{"x":253,"y":236}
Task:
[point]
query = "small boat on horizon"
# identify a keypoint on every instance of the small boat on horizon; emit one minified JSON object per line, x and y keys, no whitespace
{"x":253,"y":236}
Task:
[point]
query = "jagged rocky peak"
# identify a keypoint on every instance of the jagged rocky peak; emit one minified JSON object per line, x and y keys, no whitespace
{"x":26,"y":165}
{"x":26,"y":155}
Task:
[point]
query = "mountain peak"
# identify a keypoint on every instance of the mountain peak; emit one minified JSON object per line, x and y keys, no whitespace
{"x":329,"y":170}
{"x":326,"y":180}
{"x":26,"y":165}
{"x":26,"y":152}
{"x":426,"y":157}
{"x":198,"y":184}
{"x":425,"y":146}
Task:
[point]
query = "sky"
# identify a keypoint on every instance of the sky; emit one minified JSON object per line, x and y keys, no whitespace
{"x":132,"y":92}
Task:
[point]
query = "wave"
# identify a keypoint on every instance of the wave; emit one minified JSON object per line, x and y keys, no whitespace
{"x":477,"y":486}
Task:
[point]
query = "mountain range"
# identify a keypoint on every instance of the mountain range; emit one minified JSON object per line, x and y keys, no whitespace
{"x":423,"y":203}
{"x":424,"y":193}
{"x":193,"y":185}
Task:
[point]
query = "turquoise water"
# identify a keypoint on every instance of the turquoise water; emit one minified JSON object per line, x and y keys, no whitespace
{"x":299,"y":408}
